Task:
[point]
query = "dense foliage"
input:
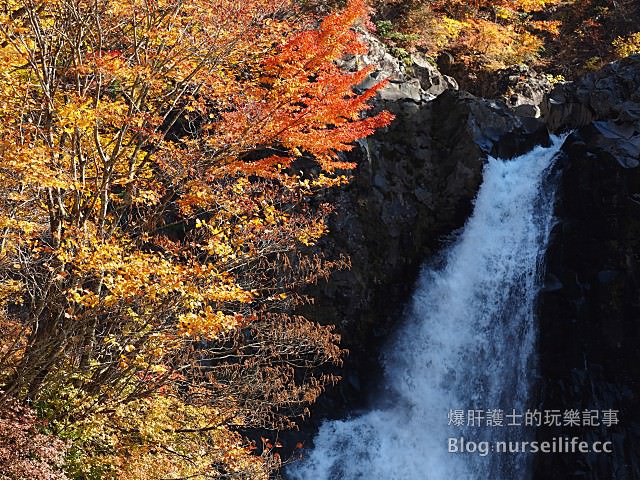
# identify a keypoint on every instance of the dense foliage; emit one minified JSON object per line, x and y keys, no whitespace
{"x":483,"y":34}
{"x":155,"y":232}
{"x":561,"y":37}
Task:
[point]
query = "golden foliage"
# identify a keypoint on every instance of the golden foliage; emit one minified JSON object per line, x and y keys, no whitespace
{"x":162,"y":437}
{"x":488,"y":35}
{"x":153,"y":232}
{"x":629,"y":45}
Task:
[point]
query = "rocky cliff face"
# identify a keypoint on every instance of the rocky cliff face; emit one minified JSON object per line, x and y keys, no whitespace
{"x":590,"y":308}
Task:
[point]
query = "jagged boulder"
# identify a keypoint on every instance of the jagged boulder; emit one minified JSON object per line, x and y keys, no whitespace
{"x":610,"y":94}
{"x":523,"y":89}
{"x":415,"y":79}
{"x":432,"y":81}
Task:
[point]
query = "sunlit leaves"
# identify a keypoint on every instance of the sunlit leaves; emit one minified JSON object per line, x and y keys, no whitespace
{"x":160,"y":437}
{"x":625,"y":46}
{"x":152,"y":223}
{"x":482,"y":34}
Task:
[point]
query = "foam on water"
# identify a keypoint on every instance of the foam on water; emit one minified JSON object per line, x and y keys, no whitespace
{"x":468,"y":342}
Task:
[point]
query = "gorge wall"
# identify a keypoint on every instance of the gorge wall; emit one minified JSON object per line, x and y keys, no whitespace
{"x":590,"y":308}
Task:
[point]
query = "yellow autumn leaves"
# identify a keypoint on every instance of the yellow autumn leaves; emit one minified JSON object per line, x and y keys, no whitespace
{"x":154,"y":231}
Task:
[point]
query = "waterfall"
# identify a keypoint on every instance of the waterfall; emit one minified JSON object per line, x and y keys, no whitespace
{"x":467,"y":343}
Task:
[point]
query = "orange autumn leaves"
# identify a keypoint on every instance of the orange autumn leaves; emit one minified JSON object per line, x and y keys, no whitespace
{"x":148,"y":213}
{"x":116,"y":111}
{"x":482,"y":35}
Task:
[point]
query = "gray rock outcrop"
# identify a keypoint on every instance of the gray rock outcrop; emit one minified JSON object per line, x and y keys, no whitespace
{"x":611,"y":93}
{"x":415,"y":79}
{"x":523,"y":89}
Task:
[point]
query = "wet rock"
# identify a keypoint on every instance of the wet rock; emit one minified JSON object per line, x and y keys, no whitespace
{"x":552,"y":283}
{"x":491,"y":124}
{"x":414,"y":185}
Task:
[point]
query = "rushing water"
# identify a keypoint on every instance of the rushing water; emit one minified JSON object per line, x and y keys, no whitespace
{"x":468,"y":342}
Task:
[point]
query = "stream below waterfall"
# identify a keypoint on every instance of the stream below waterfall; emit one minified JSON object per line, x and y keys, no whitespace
{"x":461,"y":367}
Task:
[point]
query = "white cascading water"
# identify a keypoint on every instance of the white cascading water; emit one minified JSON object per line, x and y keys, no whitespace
{"x":468,"y":343}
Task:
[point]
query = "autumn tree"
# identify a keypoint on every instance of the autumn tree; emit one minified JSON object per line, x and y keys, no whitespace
{"x":154,"y":228}
{"x":481,"y":34}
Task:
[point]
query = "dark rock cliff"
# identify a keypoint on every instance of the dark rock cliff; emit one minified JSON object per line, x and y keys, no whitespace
{"x":590,"y":308}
